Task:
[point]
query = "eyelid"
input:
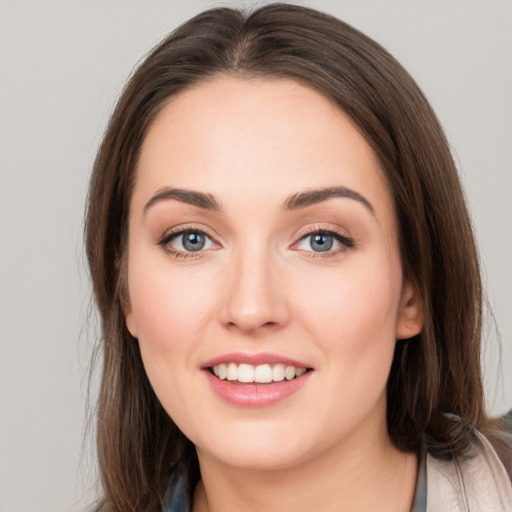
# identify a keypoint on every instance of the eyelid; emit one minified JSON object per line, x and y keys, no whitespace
{"x":170,"y":234}
{"x":344,"y":240}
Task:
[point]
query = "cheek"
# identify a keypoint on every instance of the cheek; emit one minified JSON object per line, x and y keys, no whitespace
{"x":169,"y":306}
{"x":171,"y":315}
{"x":352,"y":317}
{"x":348,"y":302}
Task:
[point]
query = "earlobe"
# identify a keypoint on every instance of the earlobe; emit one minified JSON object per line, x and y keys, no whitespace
{"x":410,"y":315}
{"x":129,"y":318}
{"x":124,"y":296}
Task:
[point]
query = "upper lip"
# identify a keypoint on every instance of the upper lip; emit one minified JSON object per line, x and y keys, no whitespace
{"x":254,"y":360}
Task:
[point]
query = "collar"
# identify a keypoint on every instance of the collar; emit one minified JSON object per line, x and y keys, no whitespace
{"x":476,"y":484}
{"x":178,"y":496}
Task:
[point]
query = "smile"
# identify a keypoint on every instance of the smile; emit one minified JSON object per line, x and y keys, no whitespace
{"x":261,"y":374}
{"x":255,"y":380}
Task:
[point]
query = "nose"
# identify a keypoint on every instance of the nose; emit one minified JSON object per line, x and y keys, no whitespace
{"x":255,"y":298}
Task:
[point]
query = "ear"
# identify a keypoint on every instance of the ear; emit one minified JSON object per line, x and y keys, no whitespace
{"x":129,"y":317}
{"x":124,"y":295}
{"x":410,"y":314}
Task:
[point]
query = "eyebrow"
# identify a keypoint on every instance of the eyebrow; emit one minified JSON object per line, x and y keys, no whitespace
{"x":199,"y":199}
{"x":294,"y":202}
{"x":315,"y":196}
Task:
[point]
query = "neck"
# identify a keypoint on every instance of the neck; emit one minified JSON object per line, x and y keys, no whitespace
{"x":375,"y":476}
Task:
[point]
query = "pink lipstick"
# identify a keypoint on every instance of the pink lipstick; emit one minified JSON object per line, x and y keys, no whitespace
{"x":255,"y":380}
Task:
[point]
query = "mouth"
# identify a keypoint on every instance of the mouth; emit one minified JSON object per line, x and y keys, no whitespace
{"x":256,"y":380}
{"x":244,"y":373}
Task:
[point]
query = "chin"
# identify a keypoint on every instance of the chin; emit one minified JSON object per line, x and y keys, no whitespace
{"x":262,"y":448}
{"x":256,"y":459}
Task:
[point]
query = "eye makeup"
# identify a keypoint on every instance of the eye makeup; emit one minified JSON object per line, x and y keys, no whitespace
{"x":324,"y":239}
{"x":193,"y":242}
{"x":196,"y":242}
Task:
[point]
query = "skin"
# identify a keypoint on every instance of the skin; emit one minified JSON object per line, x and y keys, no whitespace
{"x":259,"y":286}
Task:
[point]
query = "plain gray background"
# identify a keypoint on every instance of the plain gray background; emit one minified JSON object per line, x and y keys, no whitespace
{"x":62,"y":65}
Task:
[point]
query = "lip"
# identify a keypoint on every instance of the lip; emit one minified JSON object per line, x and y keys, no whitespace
{"x":254,"y":394}
{"x":254,"y":360}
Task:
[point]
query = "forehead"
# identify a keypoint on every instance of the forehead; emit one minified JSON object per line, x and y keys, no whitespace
{"x":235,"y":137}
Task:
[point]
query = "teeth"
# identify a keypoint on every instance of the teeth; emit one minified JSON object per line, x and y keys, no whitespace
{"x":300,"y":371}
{"x":262,"y":374}
{"x":223,"y":371}
{"x":245,"y":373}
{"x":278,"y":372}
{"x":232,"y":373}
{"x":289,"y":373}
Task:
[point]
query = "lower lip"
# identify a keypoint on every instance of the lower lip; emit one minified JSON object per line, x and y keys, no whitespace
{"x":255,"y":395}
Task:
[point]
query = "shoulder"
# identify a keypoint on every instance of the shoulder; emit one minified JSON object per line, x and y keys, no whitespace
{"x":479,"y":483}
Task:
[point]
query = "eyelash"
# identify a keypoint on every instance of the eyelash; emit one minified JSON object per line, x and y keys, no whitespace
{"x":168,"y":236}
{"x":346,"y":242}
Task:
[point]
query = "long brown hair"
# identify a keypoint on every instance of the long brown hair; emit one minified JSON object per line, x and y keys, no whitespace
{"x":437,"y":372}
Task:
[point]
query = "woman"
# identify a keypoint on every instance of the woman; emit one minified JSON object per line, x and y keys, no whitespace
{"x":288,"y":281}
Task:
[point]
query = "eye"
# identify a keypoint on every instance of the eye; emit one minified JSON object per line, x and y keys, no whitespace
{"x":185,"y":242}
{"x":320,"y":242}
{"x":324,"y":241}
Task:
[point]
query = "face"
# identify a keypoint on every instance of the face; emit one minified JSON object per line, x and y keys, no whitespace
{"x":264,"y":275}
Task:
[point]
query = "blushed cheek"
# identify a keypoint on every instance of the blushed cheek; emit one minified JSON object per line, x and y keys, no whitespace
{"x":169,"y":307}
{"x":166,"y":323}
{"x":351,"y":313}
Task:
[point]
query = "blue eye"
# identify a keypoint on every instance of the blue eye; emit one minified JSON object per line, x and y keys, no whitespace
{"x":193,"y":241}
{"x":322,"y":241}
{"x":183,"y":243}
